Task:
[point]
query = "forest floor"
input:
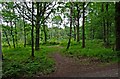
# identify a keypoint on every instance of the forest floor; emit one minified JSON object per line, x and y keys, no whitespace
{"x":82,"y":67}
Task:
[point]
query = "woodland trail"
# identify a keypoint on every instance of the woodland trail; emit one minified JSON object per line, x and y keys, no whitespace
{"x":82,"y":67}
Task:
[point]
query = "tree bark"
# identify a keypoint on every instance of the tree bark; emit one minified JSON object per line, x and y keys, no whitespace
{"x":45,"y":34}
{"x":16,"y":40}
{"x":70,"y":28}
{"x":78,"y":17}
{"x":107,"y":27}
{"x":1,"y":56}
{"x":13,"y":40}
{"x":104,"y":27}
{"x":37,"y":27}
{"x":83,"y":27}
{"x":24,"y":28}
{"x":74,"y":33}
{"x":117,"y":25}
{"x":7,"y":39}
{"x":32,"y":31}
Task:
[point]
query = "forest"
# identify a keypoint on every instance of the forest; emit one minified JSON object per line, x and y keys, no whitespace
{"x":59,"y":39}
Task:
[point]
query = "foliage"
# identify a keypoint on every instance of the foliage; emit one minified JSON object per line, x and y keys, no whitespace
{"x":93,"y":49}
{"x":17,"y":62}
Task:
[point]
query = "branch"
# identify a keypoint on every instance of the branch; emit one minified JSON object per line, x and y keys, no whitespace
{"x":21,"y":11}
{"x":24,"y":16}
{"x":87,"y":5}
{"x":48,"y":14}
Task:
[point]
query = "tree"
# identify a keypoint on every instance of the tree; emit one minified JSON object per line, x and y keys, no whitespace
{"x":9,"y":16}
{"x":24,"y":28}
{"x":83,"y":27}
{"x":78,"y":17}
{"x":70,"y":27}
{"x":0,"y":46}
{"x":32,"y":31}
{"x":45,"y":33}
{"x":6,"y":35}
{"x":117,"y":25}
{"x":37,"y":25}
{"x":104,"y":27}
{"x":107,"y":26}
{"x":44,"y":9}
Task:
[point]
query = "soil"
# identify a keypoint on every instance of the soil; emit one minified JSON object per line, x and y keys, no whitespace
{"x":82,"y":67}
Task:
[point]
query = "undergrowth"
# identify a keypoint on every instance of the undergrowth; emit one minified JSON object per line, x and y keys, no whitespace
{"x":18,"y":62}
{"x":93,"y":49}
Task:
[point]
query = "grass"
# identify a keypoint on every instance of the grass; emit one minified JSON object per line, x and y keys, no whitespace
{"x":93,"y":49}
{"x":17,"y":62}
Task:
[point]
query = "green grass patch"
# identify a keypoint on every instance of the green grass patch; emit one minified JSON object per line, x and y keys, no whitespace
{"x":93,"y":49}
{"x":17,"y":62}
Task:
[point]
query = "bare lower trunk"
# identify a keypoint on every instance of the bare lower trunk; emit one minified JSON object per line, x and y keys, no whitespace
{"x":7,"y":38}
{"x":1,"y":56}
{"x":16,"y":40}
{"x":78,"y":15}
{"x":107,"y":27}
{"x":74,"y":33}
{"x":45,"y":34}
{"x":32,"y":31}
{"x":70,"y":29}
{"x":13,"y":40}
{"x":83,"y":27}
{"x":117,"y":25}
{"x":37,"y":27}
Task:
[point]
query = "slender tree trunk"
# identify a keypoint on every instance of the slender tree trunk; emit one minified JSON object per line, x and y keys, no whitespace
{"x":70,"y":29}
{"x":16,"y":34}
{"x":74,"y":25}
{"x":32,"y":31}
{"x":117,"y":25}
{"x":6,"y":37}
{"x":110,"y":30}
{"x":93,"y":33}
{"x":74,"y":33}
{"x":78,"y":15}
{"x":104,"y":27}
{"x":107,"y":27}
{"x":83,"y":27}
{"x":24,"y":29}
{"x":12,"y":34}
{"x":37,"y":28}
{"x":1,"y":56}
{"x":45,"y":34}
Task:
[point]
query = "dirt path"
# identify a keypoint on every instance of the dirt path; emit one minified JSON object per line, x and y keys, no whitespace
{"x":84,"y":67}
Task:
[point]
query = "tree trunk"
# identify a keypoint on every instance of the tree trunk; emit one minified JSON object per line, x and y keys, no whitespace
{"x":117,"y":25}
{"x":70,"y":28}
{"x":93,"y":33}
{"x":24,"y":29}
{"x":74,"y":25}
{"x":16,"y":34}
{"x":74,"y":33}
{"x":37,"y":28}
{"x":78,"y":15}
{"x":83,"y":27}
{"x":1,"y":56}
{"x":32,"y":31}
{"x":104,"y":27}
{"x":107,"y":27}
{"x":7,"y":39}
{"x":12,"y":34}
{"x":45,"y":34}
